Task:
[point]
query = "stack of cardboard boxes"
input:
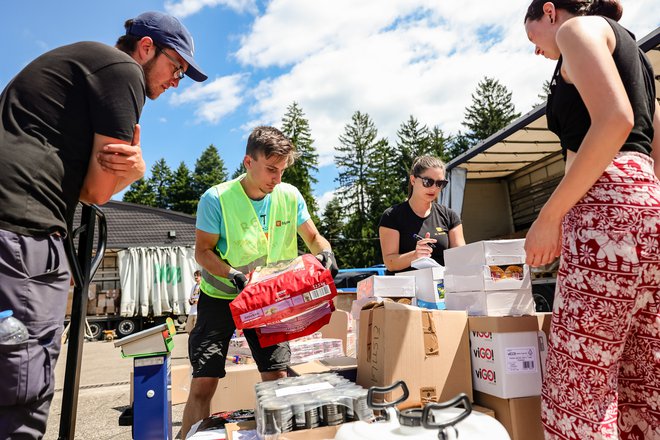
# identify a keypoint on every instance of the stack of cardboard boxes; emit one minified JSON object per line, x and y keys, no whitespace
{"x":104,"y":302}
{"x":489,"y":278}
{"x":490,"y":281}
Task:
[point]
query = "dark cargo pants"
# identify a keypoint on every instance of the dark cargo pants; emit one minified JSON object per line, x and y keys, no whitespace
{"x":34,"y":283}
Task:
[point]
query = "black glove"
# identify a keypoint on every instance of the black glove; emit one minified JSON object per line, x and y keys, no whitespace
{"x":239,"y":279}
{"x":327,"y":259}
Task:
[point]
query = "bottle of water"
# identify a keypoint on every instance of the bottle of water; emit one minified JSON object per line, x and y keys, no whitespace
{"x":12,"y":331}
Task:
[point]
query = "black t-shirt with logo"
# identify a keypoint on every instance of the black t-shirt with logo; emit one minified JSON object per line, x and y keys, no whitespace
{"x":440,"y":221}
{"x":49,"y":114}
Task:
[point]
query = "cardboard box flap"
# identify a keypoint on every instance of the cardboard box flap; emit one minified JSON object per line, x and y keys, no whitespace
{"x":503,"y":324}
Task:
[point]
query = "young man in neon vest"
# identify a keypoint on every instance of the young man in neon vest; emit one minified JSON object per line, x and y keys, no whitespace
{"x":241,"y":224}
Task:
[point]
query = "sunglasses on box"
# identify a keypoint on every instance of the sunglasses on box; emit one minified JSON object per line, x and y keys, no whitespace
{"x":427,"y":182}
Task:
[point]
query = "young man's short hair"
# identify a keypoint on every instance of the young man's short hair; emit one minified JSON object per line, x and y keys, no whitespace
{"x":270,"y":142}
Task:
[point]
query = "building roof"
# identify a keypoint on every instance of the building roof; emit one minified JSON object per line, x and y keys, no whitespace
{"x":527,"y":139}
{"x":132,"y":225}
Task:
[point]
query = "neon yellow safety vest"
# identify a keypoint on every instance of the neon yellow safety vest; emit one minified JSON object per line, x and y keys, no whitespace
{"x":247,"y":244}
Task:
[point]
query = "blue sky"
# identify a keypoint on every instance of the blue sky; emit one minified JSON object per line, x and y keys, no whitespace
{"x":389,"y":58}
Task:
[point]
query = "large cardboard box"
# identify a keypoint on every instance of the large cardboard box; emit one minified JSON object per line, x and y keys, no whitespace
{"x":429,"y":287}
{"x":492,"y":303}
{"x":505,"y":356}
{"x":427,"y":349}
{"x":386,"y":287}
{"x":236,"y":389}
{"x":521,"y":417}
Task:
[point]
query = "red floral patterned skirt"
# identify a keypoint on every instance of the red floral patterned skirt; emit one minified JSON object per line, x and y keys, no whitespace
{"x":603,"y":364}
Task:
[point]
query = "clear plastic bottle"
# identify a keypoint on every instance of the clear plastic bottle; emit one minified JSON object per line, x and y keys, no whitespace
{"x":12,"y":331}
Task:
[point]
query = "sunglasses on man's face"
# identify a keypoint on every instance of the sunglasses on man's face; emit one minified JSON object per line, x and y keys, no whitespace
{"x":427,"y":182}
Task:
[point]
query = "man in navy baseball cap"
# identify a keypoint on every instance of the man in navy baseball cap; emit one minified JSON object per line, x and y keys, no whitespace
{"x":166,"y":30}
{"x":87,"y":153}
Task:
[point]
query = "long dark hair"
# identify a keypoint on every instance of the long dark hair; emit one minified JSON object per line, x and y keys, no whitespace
{"x":421,"y":164}
{"x":606,"y":8}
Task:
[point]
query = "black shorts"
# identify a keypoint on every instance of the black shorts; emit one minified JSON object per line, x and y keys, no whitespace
{"x":209,"y":341}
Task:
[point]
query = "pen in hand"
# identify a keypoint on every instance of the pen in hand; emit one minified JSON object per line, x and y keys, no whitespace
{"x":419,"y":237}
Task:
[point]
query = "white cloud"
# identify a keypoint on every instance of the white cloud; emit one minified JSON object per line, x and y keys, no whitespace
{"x":324,"y":200}
{"x":184,"y":8}
{"x":214,"y":100}
{"x":392,"y":59}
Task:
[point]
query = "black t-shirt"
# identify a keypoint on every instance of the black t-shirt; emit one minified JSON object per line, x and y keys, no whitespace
{"x":440,"y":221}
{"x":568,"y":116}
{"x":49,"y":114}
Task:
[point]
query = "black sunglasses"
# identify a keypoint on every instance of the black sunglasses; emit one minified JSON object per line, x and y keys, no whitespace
{"x":428,"y":182}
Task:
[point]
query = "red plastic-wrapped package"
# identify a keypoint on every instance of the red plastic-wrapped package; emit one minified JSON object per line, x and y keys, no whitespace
{"x":292,"y":297}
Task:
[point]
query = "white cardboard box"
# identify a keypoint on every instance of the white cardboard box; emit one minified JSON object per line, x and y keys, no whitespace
{"x":386,"y":286}
{"x":506,"y":360}
{"x":429,"y":286}
{"x":492,"y":303}
{"x":485,"y":253}
{"x":475,"y":278}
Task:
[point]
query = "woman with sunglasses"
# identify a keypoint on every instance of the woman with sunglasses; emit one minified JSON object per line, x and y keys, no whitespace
{"x":603,"y":362}
{"x":420,"y":227}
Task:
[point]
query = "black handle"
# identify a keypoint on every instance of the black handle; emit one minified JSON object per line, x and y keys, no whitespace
{"x":461,"y":398}
{"x":383,"y":390}
{"x":70,"y":247}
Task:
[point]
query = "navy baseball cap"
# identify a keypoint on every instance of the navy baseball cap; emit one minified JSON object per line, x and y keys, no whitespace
{"x":167,"y":31}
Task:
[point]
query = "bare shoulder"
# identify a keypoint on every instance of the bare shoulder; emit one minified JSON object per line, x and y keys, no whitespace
{"x":587,"y":31}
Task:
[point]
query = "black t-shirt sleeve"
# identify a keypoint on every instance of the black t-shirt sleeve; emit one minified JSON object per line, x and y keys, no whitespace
{"x":389,"y":219}
{"x":454,"y":219}
{"x":116,"y":96}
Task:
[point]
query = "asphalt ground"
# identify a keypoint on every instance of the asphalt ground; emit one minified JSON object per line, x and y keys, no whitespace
{"x":105,"y":391}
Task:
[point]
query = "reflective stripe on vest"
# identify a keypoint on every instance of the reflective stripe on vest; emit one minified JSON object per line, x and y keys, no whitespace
{"x":247,"y":245}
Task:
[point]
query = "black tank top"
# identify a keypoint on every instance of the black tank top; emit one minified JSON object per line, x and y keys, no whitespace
{"x":568,"y":117}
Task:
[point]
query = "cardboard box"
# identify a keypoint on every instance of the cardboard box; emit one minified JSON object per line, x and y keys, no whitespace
{"x":521,"y":417}
{"x":505,"y":356}
{"x":429,"y":287}
{"x":483,"y":266}
{"x":110,"y":306}
{"x":322,"y":433}
{"x":344,"y":300}
{"x":231,"y":428}
{"x":485,"y":253}
{"x":475,"y":278}
{"x":236,"y":389}
{"x":386,"y":287}
{"x":69,"y":302}
{"x":483,"y":410}
{"x":338,"y":327}
{"x":344,"y":366}
{"x":492,"y":303}
{"x":544,"y":319}
{"x":428,"y":349}
{"x":91,"y":306}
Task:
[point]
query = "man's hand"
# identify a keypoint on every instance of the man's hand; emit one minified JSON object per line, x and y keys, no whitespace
{"x":122,"y":160}
{"x":327,"y":259}
{"x":239,"y":279}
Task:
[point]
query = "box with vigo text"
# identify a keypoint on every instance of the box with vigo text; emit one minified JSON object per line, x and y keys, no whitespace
{"x":506,"y":359}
